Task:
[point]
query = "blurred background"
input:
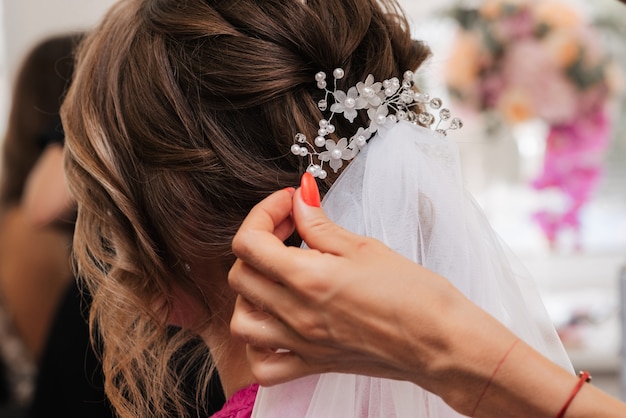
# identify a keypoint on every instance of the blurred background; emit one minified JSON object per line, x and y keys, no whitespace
{"x":541,"y":88}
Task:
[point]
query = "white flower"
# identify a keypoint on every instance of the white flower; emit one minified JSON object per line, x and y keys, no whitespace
{"x":336,"y":153}
{"x":379,"y":121}
{"x":370,"y":90}
{"x":359,"y":139}
{"x":348,"y":103}
{"x":378,"y":99}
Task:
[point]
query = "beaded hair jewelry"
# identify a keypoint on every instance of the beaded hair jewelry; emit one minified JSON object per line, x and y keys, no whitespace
{"x":386,"y":103}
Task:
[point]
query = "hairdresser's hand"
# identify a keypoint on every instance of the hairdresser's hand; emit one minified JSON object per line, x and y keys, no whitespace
{"x":352,"y":305}
{"x":348,"y":305}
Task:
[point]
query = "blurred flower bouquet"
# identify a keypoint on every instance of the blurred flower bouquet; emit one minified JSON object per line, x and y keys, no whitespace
{"x":519,"y":60}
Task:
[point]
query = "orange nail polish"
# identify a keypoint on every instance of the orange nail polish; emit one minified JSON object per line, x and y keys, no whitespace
{"x":290,"y":190}
{"x":310,"y":192}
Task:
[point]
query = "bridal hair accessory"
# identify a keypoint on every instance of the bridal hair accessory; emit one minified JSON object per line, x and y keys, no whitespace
{"x":386,"y":103}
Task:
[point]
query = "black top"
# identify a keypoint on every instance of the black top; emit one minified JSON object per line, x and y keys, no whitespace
{"x":70,"y":380}
{"x":70,"y":383}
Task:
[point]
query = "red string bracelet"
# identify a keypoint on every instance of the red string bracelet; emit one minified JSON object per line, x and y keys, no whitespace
{"x":480,"y":398}
{"x":584,"y":376}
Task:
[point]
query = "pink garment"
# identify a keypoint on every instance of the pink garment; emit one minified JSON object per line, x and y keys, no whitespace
{"x":240,"y":404}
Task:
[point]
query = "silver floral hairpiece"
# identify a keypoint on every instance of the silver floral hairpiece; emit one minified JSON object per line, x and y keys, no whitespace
{"x":386,"y":103}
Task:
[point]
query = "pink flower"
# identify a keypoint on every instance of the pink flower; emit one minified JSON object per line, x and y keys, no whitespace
{"x":515,"y":27}
{"x":573,"y":165}
{"x":529,"y":67}
{"x":492,"y":87}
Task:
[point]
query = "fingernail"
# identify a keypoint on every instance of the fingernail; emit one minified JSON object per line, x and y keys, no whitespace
{"x":290,"y":190}
{"x":310,"y":192}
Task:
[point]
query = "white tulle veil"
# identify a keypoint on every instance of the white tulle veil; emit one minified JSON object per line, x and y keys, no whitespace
{"x":405,"y":189}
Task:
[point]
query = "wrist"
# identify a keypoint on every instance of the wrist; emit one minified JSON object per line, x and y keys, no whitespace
{"x":527,"y":384}
{"x":476,"y":357}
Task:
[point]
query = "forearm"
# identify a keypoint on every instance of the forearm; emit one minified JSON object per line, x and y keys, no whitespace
{"x":484,"y":371}
{"x":332,"y":311}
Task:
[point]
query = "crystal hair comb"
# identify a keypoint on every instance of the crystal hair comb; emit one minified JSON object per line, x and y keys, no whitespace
{"x":386,"y":103}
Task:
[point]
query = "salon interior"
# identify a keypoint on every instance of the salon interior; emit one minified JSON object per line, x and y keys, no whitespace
{"x":541,"y":89}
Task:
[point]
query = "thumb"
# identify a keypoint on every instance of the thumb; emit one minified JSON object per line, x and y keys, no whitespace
{"x":312,"y":224}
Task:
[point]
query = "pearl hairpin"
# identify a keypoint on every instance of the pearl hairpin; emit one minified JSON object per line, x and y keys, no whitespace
{"x":386,"y":103}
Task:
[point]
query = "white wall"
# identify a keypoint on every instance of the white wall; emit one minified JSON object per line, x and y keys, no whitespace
{"x":28,"y":21}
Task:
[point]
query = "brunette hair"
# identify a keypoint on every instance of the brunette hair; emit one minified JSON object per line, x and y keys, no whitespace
{"x":34,"y":121}
{"x":180,"y":118}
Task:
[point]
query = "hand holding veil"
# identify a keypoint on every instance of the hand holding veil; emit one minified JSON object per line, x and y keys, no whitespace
{"x":405,"y":189}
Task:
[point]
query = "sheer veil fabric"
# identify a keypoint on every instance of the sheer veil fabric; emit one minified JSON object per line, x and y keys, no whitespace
{"x":405,"y":189}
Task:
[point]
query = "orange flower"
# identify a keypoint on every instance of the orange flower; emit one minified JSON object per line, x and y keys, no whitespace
{"x":563,"y":46}
{"x":557,"y":14}
{"x":516,"y":106}
{"x":615,"y":78}
{"x":491,"y":9}
{"x":463,"y":65}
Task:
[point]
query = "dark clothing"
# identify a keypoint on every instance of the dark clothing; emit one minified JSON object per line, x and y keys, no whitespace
{"x":70,"y":383}
{"x":70,"y":380}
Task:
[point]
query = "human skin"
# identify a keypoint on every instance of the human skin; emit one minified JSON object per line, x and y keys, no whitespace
{"x":35,"y":268}
{"x":46,"y":197}
{"x":330,"y":309}
{"x":34,"y":271}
